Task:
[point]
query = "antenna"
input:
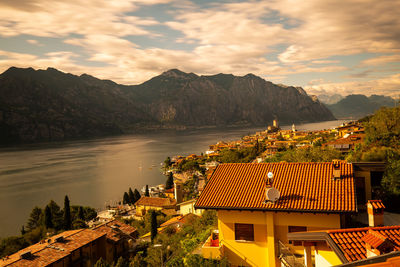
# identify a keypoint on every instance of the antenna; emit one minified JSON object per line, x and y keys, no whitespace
{"x":271,"y":194}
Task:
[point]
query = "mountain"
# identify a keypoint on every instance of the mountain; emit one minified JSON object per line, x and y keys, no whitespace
{"x":38,"y":105}
{"x":330,"y":99}
{"x":357,"y":106}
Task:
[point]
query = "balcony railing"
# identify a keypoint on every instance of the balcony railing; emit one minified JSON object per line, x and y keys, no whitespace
{"x":211,"y":248}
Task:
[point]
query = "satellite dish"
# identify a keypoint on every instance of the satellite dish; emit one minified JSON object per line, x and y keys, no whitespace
{"x":272,"y":194}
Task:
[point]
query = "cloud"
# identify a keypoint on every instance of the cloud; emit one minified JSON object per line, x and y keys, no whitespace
{"x":56,"y":18}
{"x":328,"y":28}
{"x":34,"y":42}
{"x":381,"y":60}
{"x":389,"y":85}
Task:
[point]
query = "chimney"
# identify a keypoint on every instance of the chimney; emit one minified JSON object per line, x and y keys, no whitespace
{"x":178,"y":191}
{"x":336,"y":169}
{"x":375,"y":210}
{"x":376,"y":244}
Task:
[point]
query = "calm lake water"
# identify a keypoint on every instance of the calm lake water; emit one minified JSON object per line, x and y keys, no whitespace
{"x":96,"y":172}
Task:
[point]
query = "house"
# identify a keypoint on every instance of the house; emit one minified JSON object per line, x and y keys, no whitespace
{"x":120,"y":239}
{"x":154,"y":203}
{"x":345,"y":144}
{"x":187,"y":207}
{"x":169,"y":193}
{"x":253,"y":229}
{"x":83,"y":247}
{"x":333,"y":247}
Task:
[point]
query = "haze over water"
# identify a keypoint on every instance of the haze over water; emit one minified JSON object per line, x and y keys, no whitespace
{"x":96,"y":172}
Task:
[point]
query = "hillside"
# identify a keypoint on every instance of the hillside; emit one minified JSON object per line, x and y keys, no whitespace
{"x":357,"y":106}
{"x":48,"y":104}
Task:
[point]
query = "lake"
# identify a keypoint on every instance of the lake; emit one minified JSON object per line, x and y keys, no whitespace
{"x":97,"y":172}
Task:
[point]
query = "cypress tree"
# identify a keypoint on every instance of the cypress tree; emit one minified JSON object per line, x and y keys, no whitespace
{"x":170,"y":181}
{"x":136,"y":195}
{"x":23,"y":230}
{"x":146,"y":193}
{"x":126,"y":199}
{"x":67,"y":214}
{"x":81,"y":214}
{"x":131,"y":196}
{"x":48,"y":220}
{"x":153,"y":223}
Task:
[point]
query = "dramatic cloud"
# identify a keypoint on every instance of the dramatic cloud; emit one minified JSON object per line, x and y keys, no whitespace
{"x":130,"y":41}
{"x":388,"y":86}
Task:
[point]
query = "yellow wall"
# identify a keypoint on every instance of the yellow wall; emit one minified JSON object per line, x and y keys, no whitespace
{"x":189,"y":208}
{"x":324,"y":256}
{"x":142,"y":209}
{"x":262,"y":251}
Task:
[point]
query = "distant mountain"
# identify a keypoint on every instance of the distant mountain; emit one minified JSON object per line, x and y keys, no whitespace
{"x":48,"y":104}
{"x":330,"y":99}
{"x":358,"y":106}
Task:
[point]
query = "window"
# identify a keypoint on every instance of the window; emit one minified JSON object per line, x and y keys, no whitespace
{"x":293,"y":229}
{"x":244,"y":231}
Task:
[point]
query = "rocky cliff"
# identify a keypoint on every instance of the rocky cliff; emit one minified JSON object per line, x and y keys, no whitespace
{"x":52,"y":105}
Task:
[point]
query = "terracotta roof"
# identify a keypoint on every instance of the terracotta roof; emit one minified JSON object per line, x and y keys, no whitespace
{"x":376,"y":204}
{"x":352,"y":139}
{"x":155,"y":202}
{"x":391,"y":262}
{"x":374,"y":238}
{"x":352,"y":241}
{"x":110,"y":229}
{"x":307,"y":187}
{"x":178,"y":219}
{"x":46,"y":253}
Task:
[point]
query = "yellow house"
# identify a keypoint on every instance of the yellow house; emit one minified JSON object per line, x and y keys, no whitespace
{"x":187,"y":207}
{"x":254,"y":218}
{"x":154,"y":203}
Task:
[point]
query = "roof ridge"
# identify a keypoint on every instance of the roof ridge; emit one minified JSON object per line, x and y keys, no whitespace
{"x":363,"y":229}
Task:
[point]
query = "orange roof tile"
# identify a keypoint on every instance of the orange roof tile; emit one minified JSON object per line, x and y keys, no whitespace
{"x":352,"y":241}
{"x":110,"y":229}
{"x":156,"y":202}
{"x":307,"y":187}
{"x":46,"y":253}
{"x":178,"y":219}
{"x":374,"y":238}
{"x":376,"y":204}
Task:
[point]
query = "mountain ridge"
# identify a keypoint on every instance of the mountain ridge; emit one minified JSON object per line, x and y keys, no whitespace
{"x":42,"y":105}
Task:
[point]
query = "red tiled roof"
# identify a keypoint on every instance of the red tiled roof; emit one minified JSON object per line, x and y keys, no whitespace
{"x":46,"y":253}
{"x":351,"y":241}
{"x":303,"y":187}
{"x":110,"y":229}
{"x":156,"y":202}
{"x":376,"y":204}
{"x":374,"y":238}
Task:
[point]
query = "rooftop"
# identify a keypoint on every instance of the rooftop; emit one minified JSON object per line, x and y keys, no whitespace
{"x":305,"y":187}
{"x":155,"y":202}
{"x":352,"y":241}
{"x":115,"y":230}
{"x":45,"y":253}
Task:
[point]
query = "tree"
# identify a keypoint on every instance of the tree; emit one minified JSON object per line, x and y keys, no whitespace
{"x":23,"y":230}
{"x":153,"y":222}
{"x":170,"y":181}
{"x":35,"y":217}
{"x":131,"y":196}
{"x":81,"y":214}
{"x":167,"y":162}
{"x":121,"y":263}
{"x":48,"y":220}
{"x":125,"y":199}
{"x":67,"y":214}
{"x":146,"y":193}
{"x":56,"y":215}
{"x":102,"y":263}
{"x":137,"y":195}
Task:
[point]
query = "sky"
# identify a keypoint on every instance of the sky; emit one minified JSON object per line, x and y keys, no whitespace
{"x":326,"y":46}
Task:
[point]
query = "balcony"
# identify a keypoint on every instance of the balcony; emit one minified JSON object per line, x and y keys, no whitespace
{"x":211,"y":248}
